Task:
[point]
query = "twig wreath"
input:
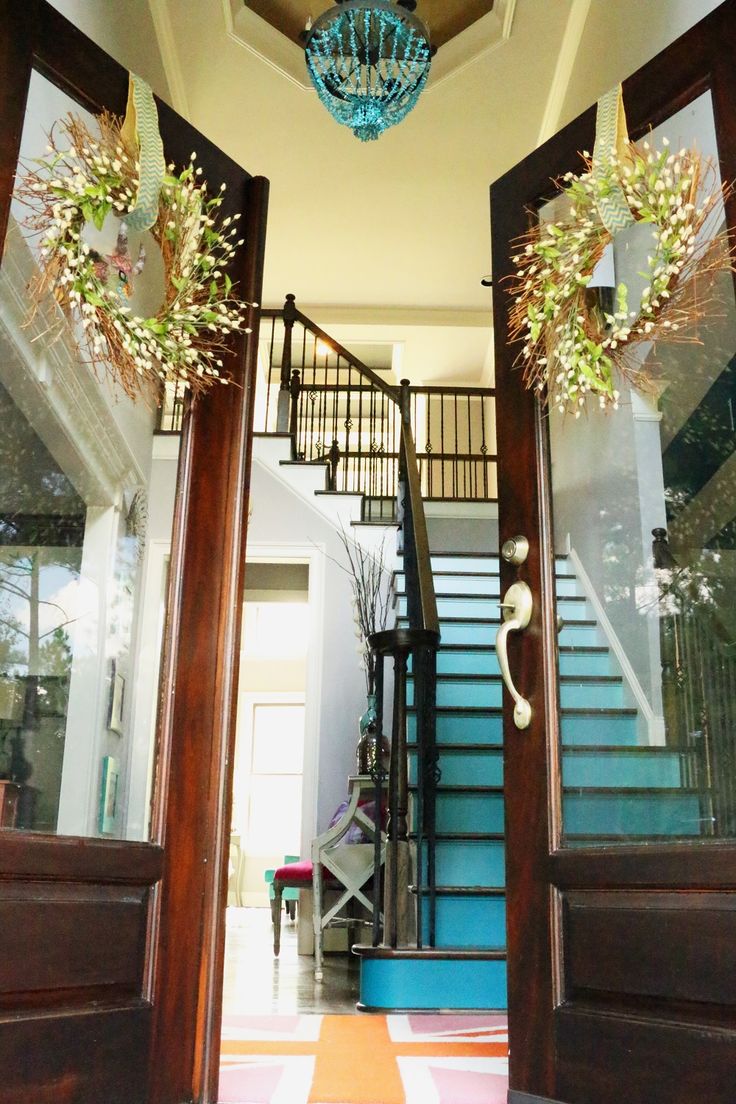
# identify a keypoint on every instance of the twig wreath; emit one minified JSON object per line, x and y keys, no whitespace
{"x":84,"y":178}
{"x":575,"y":350}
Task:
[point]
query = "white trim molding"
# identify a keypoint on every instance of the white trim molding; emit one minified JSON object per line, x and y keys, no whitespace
{"x":169,"y":55}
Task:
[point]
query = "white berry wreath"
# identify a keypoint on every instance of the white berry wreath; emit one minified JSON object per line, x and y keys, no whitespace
{"x":571,"y":348}
{"x":84,"y":178}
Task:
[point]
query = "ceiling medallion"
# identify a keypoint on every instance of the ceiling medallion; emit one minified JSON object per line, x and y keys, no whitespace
{"x":369,"y":61}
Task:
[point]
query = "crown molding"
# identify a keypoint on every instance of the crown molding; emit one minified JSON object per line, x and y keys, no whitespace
{"x":274,"y":49}
{"x":169,"y":55}
{"x":259,"y":38}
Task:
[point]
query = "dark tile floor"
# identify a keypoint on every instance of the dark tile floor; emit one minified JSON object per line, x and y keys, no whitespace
{"x":256,"y":983}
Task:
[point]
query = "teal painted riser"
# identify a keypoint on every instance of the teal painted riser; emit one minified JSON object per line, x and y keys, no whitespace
{"x":481,"y":861}
{"x":486,"y":727}
{"x":486,"y":663}
{"x":622,"y":770}
{"x":484,"y":767}
{"x":604,"y":768}
{"x":484,"y":632}
{"x":569,"y":609}
{"x":488,"y":693}
{"x":631,"y":814}
{"x":485,"y":565}
{"x":469,"y":812}
{"x":426,"y":984}
{"x":469,"y":922}
{"x":480,"y":584}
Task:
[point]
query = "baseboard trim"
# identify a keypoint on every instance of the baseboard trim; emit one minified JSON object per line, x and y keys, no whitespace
{"x":524,"y":1098}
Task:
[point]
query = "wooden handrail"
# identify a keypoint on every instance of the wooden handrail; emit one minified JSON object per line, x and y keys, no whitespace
{"x":424,"y":580}
{"x":340,"y":350}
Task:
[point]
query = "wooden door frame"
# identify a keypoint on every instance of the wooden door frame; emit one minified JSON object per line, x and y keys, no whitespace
{"x":700,"y":60}
{"x":183,"y":874}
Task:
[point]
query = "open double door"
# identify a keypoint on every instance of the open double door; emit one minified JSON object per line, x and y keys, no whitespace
{"x":109,"y":960}
{"x":621,"y":795}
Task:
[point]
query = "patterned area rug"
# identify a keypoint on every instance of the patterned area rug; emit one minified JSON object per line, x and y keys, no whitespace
{"x":421,"y":1059}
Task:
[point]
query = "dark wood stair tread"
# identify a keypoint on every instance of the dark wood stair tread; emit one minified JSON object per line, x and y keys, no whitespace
{"x":468,"y":954}
{"x":625,"y":749}
{"x":628,"y":791}
{"x":465,"y":837}
{"x":461,"y":891}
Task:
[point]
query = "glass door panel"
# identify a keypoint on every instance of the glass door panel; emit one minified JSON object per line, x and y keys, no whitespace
{"x":645,"y":540}
{"x":80,"y":496}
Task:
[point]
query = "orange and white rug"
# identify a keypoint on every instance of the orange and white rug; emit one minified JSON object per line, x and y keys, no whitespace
{"x":417,"y":1059}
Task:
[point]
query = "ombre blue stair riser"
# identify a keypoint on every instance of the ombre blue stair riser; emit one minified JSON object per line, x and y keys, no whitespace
{"x":599,"y":728}
{"x":484,"y":767}
{"x":469,"y":812}
{"x":469,"y":922}
{"x":576,"y":635}
{"x":479,"y":585}
{"x":426,"y":984}
{"x":487,"y":693}
{"x":467,"y":631}
{"x":484,"y":727}
{"x":484,"y":565}
{"x":587,"y":663}
{"x":485,"y":663}
{"x":631,"y":814}
{"x":476,"y":565}
{"x":487,"y":608}
{"x":606,"y":768}
{"x":488,"y":585}
{"x":482,"y":862}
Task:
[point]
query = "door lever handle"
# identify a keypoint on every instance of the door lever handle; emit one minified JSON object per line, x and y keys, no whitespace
{"x":517,"y":609}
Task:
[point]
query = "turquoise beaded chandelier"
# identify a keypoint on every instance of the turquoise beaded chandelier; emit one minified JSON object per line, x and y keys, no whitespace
{"x":369,"y":61}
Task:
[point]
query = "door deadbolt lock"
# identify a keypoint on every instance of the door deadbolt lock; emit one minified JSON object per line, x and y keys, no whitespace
{"x":515,"y":550}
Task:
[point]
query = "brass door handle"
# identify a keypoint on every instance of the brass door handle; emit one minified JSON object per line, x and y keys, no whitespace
{"x":517,"y":609}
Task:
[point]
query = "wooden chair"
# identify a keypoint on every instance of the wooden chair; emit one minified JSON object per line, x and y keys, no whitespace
{"x":337,"y":864}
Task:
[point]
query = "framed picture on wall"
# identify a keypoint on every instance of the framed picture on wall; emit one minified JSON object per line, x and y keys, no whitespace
{"x":108,"y":795}
{"x":117,"y":699}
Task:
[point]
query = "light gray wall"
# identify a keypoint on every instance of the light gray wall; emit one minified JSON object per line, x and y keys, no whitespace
{"x":619,"y":37}
{"x":281,"y":517}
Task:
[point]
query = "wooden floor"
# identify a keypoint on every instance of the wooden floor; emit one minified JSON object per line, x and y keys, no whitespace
{"x":256,"y":983}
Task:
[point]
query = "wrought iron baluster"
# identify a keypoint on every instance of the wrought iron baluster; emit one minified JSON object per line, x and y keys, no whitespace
{"x":269,"y":378}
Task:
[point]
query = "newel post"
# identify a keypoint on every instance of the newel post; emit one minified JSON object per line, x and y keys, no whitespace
{"x":283,"y":410}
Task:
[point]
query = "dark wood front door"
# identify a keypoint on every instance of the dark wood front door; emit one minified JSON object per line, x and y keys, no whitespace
{"x":621,"y":822}
{"x":111,"y":906}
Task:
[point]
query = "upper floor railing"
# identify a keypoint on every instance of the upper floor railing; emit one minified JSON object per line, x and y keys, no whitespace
{"x":345,"y":414}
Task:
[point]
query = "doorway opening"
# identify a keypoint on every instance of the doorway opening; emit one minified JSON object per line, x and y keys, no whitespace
{"x":275,"y":787}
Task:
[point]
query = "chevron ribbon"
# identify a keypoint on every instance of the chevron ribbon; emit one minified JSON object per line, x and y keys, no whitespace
{"x":140,"y":131}
{"x":611,"y":138}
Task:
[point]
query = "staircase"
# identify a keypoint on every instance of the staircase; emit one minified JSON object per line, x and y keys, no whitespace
{"x":350,"y":444}
{"x":614,"y":787}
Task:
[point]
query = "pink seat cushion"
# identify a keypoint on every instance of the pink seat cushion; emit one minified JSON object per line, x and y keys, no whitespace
{"x":298,"y":875}
{"x":295,"y":874}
